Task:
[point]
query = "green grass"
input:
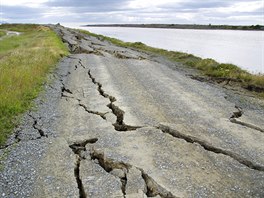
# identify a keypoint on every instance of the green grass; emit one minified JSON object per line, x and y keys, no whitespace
{"x":25,"y":61}
{"x":2,"y":33}
{"x":20,"y":27}
{"x":208,"y":67}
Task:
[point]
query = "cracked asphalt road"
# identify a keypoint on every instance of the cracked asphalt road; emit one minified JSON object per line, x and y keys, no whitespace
{"x":116,"y":122}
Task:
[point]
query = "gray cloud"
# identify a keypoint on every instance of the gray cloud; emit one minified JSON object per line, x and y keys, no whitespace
{"x":90,"y":5}
{"x":20,"y":13}
{"x":196,"y":5}
{"x":119,"y":11}
{"x":83,"y":3}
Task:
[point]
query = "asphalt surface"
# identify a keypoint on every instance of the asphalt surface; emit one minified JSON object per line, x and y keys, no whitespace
{"x":116,"y":122}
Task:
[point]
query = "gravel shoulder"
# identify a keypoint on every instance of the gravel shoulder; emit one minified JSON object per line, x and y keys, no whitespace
{"x":115,"y":122}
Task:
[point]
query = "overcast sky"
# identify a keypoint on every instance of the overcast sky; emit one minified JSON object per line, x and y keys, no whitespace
{"x":233,"y":12}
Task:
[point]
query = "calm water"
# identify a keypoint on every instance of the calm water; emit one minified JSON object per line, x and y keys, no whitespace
{"x":242,"y":48}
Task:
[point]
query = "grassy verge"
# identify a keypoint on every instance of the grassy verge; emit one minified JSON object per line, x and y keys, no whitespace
{"x":208,"y":67}
{"x":25,"y":61}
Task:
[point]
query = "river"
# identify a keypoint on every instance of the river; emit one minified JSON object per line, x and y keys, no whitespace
{"x":242,"y":48}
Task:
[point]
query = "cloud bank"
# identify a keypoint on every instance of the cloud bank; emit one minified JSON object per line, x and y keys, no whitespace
{"x":235,"y":12}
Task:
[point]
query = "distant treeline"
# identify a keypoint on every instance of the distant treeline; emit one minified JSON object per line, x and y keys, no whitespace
{"x":184,"y":26}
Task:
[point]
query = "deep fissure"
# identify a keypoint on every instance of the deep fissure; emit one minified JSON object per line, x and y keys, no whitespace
{"x":82,"y":193}
{"x":153,"y":188}
{"x":207,"y":146}
{"x":233,"y":120}
{"x":80,"y":63}
{"x":238,"y":114}
{"x":121,"y":55}
{"x":63,"y":90}
{"x":67,"y":90}
{"x":108,"y":167}
{"x":17,"y":140}
{"x":124,"y":183}
{"x":77,"y":147}
{"x":35,"y":126}
{"x":102,"y":115}
{"x":119,"y":125}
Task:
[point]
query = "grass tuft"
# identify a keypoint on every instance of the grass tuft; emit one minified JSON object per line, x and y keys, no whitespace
{"x":25,"y":61}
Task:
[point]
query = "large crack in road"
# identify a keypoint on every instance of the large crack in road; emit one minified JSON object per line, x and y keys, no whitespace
{"x":77,"y":148}
{"x":119,"y":113}
{"x":117,"y":124}
{"x":209,"y":147}
{"x":238,"y":114}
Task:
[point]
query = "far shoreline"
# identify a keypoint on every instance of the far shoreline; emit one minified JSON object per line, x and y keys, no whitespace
{"x":184,"y":26}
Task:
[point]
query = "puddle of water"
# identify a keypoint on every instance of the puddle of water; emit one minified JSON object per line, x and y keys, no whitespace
{"x":11,"y":33}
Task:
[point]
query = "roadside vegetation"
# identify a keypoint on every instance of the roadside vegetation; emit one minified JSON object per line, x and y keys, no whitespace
{"x":208,"y":67}
{"x":25,"y":61}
